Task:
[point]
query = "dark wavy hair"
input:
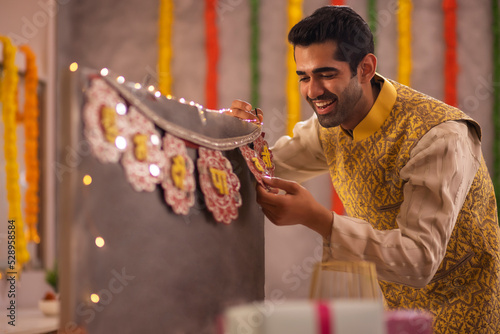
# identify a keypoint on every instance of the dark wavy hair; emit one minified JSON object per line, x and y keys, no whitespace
{"x":339,"y":24}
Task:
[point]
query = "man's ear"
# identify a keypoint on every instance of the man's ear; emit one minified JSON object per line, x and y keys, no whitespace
{"x":367,"y":68}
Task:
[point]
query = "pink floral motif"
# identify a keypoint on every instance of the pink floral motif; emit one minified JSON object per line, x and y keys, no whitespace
{"x":259,"y":160}
{"x":178,"y":180}
{"x":100,"y":96}
{"x":143,"y":159}
{"x":261,"y":146}
{"x":255,"y":164}
{"x":219,"y":185}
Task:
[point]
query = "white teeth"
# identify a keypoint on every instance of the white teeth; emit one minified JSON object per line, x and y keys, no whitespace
{"x":323,"y":104}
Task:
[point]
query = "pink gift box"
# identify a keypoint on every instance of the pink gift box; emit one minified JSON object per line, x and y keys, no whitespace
{"x":314,"y":317}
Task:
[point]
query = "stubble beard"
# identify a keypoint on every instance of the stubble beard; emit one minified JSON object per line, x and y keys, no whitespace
{"x":344,"y":105}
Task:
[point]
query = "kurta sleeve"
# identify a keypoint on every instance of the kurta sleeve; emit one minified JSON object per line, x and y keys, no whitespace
{"x":301,"y":157}
{"x":437,"y":178}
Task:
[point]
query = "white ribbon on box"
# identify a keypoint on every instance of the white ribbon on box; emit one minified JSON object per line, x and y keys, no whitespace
{"x":305,"y":317}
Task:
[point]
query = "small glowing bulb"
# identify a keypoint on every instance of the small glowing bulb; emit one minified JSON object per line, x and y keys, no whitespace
{"x":182,"y":100}
{"x":192,"y":103}
{"x":87,"y":180}
{"x":157,"y":93}
{"x":154,"y":170}
{"x":120,"y":79}
{"x":94,"y":298}
{"x":73,"y":67}
{"x":121,"y":108}
{"x":169,"y":96}
{"x":99,"y":242}
{"x":155,"y":140}
{"x":120,"y":142}
{"x":137,"y":85}
{"x":151,"y":88}
{"x":104,"y":72}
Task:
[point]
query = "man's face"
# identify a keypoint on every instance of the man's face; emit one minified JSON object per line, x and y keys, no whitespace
{"x":328,"y":85}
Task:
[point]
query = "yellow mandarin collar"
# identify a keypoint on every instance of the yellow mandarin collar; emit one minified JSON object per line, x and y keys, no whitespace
{"x":379,"y":111}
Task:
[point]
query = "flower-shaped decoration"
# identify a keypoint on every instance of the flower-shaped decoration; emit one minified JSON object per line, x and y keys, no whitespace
{"x":143,"y":158}
{"x":105,"y":121}
{"x":219,"y":185}
{"x":261,"y":146}
{"x":255,"y":164}
{"x":178,"y":180}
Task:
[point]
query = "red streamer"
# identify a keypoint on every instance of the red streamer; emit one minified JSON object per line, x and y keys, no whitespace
{"x":212,"y":46}
{"x":337,"y":206}
{"x":450,"y":61}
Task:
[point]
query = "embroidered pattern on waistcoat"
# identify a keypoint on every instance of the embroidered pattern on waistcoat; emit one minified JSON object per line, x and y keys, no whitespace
{"x":463,"y":296}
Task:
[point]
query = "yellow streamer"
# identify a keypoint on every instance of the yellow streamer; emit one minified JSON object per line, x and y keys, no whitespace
{"x":165,"y":22}
{"x":9,"y":108}
{"x":292,"y":92}
{"x":404,"y":41}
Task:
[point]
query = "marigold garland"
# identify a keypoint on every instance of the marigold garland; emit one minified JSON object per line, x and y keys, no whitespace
{"x":293,"y":96}
{"x":451,"y":66}
{"x":9,"y":108}
{"x":404,"y":41}
{"x":30,"y":119}
{"x":165,"y":52}
{"x":212,"y":47}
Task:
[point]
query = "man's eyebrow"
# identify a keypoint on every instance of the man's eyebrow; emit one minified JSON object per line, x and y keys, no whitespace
{"x":320,"y":70}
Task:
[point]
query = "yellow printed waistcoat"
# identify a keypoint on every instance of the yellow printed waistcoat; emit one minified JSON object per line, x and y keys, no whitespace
{"x":463,"y":295}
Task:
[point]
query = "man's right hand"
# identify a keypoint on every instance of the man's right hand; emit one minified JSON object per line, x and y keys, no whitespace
{"x":243,"y":110}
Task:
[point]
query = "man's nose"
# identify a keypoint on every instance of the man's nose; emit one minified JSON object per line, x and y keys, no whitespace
{"x":315,"y":89}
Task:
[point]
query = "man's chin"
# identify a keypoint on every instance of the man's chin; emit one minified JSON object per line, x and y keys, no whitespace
{"x":327,"y":122}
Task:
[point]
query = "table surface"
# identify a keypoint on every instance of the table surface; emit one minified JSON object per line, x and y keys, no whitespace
{"x":33,"y":321}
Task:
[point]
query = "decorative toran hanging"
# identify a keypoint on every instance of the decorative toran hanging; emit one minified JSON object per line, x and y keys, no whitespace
{"x":404,"y":41}
{"x":118,"y":131}
{"x":31,"y":134}
{"x":450,"y":61}
{"x":212,"y":47}
{"x":292,"y":92}
{"x":9,"y":108}
{"x":165,"y":53}
{"x":496,"y":97}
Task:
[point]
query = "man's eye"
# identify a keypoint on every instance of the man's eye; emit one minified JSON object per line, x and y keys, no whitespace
{"x":303,"y":79}
{"x":327,"y":76}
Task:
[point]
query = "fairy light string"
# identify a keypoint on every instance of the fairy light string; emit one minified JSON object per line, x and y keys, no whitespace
{"x":212,"y":49}
{"x":404,"y":41}
{"x":292,"y":92}
{"x":451,"y":66}
{"x":165,"y":52}
{"x":9,"y":107}
{"x":31,"y":134}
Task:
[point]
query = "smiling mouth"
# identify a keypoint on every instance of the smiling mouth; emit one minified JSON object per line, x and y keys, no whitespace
{"x":322,"y":106}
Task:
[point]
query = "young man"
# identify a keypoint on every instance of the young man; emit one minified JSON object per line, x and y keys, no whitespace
{"x":408,"y":169}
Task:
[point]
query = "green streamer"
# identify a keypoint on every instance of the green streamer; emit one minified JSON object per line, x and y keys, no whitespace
{"x":372,"y":18}
{"x":496,"y":98}
{"x":254,"y":52}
